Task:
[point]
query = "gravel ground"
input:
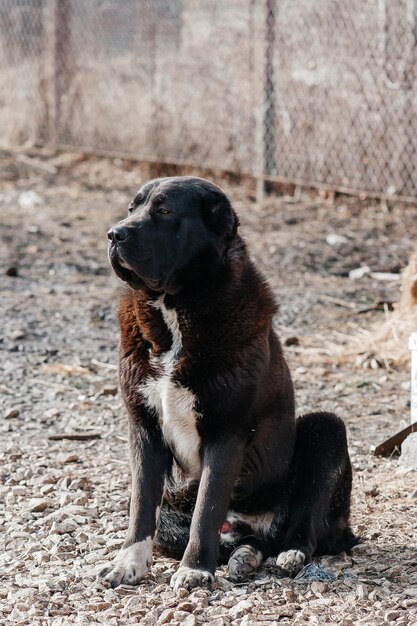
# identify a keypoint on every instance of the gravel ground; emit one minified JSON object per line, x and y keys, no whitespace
{"x":64,"y":501}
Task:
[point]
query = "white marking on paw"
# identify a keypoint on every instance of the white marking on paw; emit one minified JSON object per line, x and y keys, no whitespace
{"x":190,"y":578}
{"x":174,"y":404}
{"x":291,"y":561}
{"x":130,"y":565}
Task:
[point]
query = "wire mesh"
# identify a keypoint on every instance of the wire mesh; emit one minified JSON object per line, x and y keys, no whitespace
{"x":310,"y":92}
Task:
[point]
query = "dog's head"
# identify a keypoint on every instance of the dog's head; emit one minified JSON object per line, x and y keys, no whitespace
{"x":178,"y":231}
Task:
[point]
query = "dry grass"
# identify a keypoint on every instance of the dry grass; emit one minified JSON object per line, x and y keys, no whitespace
{"x":386,"y":344}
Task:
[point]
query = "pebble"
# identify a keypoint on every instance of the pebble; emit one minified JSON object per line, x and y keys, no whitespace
{"x":68,"y":458}
{"x":190,"y":620}
{"x":62,"y":528}
{"x":108,"y":390}
{"x":187,"y":606}
{"x":370,"y":489}
{"x":292,"y":341}
{"x":392,"y":616}
{"x":19,"y":333}
{"x":333,"y":239}
{"x":166,"y":616}
{"x":37,"y":505}
{"x":180,"y":615}
{"x":11,"y":414}
{"x":29,"y":199}
{"x":12,"y":271}
{"x":241,"y":608}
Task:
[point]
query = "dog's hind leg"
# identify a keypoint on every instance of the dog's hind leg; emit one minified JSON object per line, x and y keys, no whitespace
{"x":319,"y":509}
{"x":244,"y":562}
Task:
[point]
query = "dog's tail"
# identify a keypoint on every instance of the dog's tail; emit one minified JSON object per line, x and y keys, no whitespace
{"x":173,"y":532}
{"x":338,"y":542}
{"x":175,"y":519}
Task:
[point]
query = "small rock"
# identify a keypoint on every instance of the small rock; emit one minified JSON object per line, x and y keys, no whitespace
{"x":180,"y":616}
{"x":19,"y":333}
{"x":108,"y":390}
{"x":335,"y":240}
{"x":359,"y":272}
{"x":37,"y":505}
{"x":64,"y":499}
{"x":319,"y":588}
{"x":79,"y":483}
{"x":69,"y":458}
{"x":292,"y":341}
{"x":224,"y":584}
{"x":12,"y":271}
{"x":62,"y":528}
{"x":200,"y":597}
{"x":46,"y":489}
{"x":52,"y":412}
{"x":29,"y":200}
{"x":241,"y":608}
{"x":166,"y":616}
{"x":392,"y":616}
{"x":289,"y":595}
{"x":187,"y":606}
{"x":190,"y":620}
{"x":370,"y":489}
{"x":11,"y":413}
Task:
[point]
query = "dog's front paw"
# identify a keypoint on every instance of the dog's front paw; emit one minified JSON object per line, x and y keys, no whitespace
{"x":189,"y":578}
{"x":243,"y":563}
{"x":130,"y":565}
{"x":291,"y":561}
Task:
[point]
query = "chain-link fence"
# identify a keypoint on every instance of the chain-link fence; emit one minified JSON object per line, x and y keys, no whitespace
{"x":320,"y":93}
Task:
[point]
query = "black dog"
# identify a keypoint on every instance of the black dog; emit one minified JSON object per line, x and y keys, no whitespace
{"x":218,"y":458}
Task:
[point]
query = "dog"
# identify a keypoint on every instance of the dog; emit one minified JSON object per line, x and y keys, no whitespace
{"x":222,"y":471}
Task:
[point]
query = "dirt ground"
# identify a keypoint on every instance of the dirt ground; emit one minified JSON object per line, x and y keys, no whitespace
{"x":64,"y":502}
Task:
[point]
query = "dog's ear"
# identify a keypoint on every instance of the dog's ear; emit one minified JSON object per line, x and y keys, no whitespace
{"x":223,"y":219}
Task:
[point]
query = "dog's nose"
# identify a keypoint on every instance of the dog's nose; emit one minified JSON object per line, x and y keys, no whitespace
{"x":118,"y":234}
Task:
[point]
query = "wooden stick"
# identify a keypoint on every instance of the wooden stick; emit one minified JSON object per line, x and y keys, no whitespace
{"x":76,"y":436}
{"x":388,"y":446}
{"x":36,"y":164}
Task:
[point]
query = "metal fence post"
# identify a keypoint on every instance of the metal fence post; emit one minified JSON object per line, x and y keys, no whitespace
{"x":60,"y":41}
{"x":265,"y":135}
{"x":269,"y":115}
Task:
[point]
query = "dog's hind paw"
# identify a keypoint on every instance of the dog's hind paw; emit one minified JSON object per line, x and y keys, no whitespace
{"x":130,"y":565}
{"x":189,"y":578}
{"x":291,"y":561}
{"x":243,"y":563}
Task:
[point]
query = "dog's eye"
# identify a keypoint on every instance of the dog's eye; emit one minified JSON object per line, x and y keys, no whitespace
{"x":163,"y":211}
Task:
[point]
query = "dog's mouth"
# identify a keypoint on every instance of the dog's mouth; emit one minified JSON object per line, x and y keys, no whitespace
{"x":126,"y":272}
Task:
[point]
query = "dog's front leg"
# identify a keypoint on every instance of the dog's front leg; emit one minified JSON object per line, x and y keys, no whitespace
{"x":150,"y":461}
{"x":221,"y":464}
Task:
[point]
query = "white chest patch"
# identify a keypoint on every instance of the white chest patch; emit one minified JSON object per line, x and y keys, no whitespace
{"x":173,"y":403}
